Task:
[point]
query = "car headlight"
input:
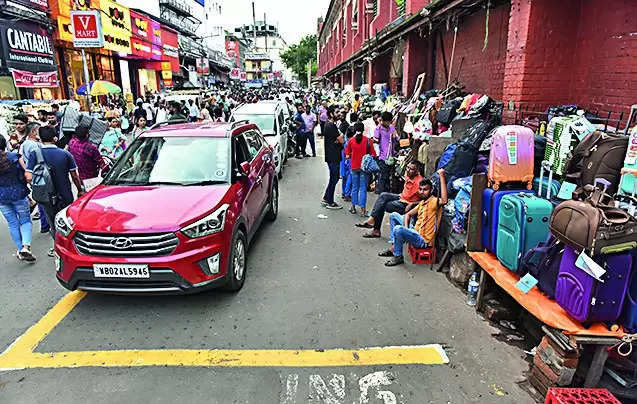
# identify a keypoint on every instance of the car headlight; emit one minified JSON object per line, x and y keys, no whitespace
{"x":63,"y":224}
{"x":213,"y":223}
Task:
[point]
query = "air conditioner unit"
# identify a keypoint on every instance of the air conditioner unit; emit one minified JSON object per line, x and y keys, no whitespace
{"x":354,"y":25}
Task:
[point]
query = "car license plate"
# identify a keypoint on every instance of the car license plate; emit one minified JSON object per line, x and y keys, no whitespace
{"x":121,"y":271}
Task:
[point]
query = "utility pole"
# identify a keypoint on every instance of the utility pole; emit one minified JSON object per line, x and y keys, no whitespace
{"x":309,"y":73}
{"x":266,"y":33}
{"x":254,"y":27}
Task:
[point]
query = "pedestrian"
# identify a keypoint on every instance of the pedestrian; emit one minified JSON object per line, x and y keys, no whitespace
{"x":56,"y":108}
{"x":184,"y":109}
{"x":42,"y":117}
{"x":193,"y":110}
{"x":204,"y":116}
{"x":139,"y":111}
{"x":428,"y":213}
{"x":160,"y":112}
{"x":384,"y":135}
{"x":388,"y":202}
{"x":114,"y":142}
{"x":300,"y":131}
{"x":333,"y":144}
{"x":14,"y":203}
{"x":218,"y":114}
{"x":357,"y":103}
{"x":175,"y":112}
{"x":148,"y":108}
{"x":140,"y":126}
{"x":309,"y":118}
{"x":19,"y":132}
{"x":323,"y":115}
{"x":87,"y":157}
{"x":28,"y":146}
{"x":355,"y":150}
{"x":61,"y":164}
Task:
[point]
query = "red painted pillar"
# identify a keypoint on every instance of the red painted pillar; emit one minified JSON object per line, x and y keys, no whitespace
{"x":416,"y":56}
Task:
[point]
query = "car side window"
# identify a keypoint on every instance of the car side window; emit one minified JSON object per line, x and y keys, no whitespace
{"x":241,"y":153}
{"x":255,"y":143}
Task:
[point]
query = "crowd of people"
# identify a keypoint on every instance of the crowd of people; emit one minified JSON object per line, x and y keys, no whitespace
{"x":358,"y":147}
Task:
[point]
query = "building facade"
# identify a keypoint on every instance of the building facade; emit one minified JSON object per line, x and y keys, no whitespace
{"x":539,"y":52}
{"x":268,"y":42}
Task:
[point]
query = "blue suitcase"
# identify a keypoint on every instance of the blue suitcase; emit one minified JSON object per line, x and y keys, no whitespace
{"x":490,"y":210}
{"x":629,"y":314}
{"x":554,"y":188}
{"x":523,"y":223}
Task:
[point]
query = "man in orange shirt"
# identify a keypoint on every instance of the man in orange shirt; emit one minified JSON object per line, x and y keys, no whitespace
{"x":428,"y":213}
{"x":388,"y":202}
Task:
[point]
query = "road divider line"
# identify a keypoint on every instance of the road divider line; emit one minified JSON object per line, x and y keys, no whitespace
{"x":398,"y":355}
{"x":24,"y":345}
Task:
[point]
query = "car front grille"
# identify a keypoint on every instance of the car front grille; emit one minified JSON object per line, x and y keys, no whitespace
{"x":126,"y":245}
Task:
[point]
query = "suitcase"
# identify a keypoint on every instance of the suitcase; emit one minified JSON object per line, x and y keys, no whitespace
{"x":629,"y":314}
{"x":490,"y":211}
{"x":511,"y":156}
{"x":585,"y":298}
{"x":627,"y":202}
{"x":630,"y":162}
{"x":560,"y":142}
{"x":523,"y":222}
{"x":543,"y":263}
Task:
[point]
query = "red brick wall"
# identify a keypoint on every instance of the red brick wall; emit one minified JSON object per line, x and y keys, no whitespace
{"x":604,"y":73}
{"x":482,"y":72}
{"x":417,"y":60}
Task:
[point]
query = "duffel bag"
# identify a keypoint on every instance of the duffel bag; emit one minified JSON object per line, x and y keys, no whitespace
{"x":543,"y":263}
{"x":448,"y":111}
{"x":599,"y":155}
{"x":596,"y":227}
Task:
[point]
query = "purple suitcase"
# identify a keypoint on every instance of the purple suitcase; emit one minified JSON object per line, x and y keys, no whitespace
{"x":586,"y":299}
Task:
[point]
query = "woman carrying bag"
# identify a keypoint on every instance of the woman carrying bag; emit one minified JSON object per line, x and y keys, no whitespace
{"x":14,"y":204}
{"x":357,"y":148}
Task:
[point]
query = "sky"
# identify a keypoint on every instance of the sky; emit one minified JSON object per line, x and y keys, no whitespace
{"x":296,"y":18}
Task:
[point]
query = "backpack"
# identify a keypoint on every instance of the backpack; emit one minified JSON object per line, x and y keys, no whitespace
{"x":543,"y":263}
{"x":599,"y":155}
{"x":448,"y":111}
{"x":369,"y":165}
{"x":446,"y":155}
{"x":42,"y":186}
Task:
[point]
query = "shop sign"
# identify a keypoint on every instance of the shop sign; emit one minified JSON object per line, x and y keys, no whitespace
{"x":140,"y":25}
{"x":86,"y":29}
{"x":170,"y":46}
{"x":27,"y":47}
{"x":40,"y":5}
{"x":140,"y":48}
{"x":116,"y":25}
{"x":203,"y":66}
{"x":23,"y":78}
{"x":235,"y":73}
{"x":242,"y":76}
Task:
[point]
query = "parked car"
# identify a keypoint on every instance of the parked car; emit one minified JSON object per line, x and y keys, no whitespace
{"x":270,"y":118}
{"x":175,"y":214}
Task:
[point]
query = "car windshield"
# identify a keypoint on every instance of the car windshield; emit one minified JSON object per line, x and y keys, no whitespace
{"x":173,"y":161}
{"x":264,"y":122}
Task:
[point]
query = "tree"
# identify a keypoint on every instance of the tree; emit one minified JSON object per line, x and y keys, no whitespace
{"x":297,"y":56}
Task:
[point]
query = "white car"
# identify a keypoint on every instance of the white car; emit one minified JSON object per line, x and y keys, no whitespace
{"x":270,"y":117}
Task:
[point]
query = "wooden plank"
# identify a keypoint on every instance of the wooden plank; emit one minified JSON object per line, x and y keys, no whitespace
{"x":482,"y":289}
{"x":597,"y":367}
{"x":474,"y":227}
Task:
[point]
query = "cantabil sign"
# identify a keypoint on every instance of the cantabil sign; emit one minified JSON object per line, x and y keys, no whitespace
{"x":116,"y":25}
{"x":86,"y":28}
{"x":23,"y":78}
{"x":27,"y":46}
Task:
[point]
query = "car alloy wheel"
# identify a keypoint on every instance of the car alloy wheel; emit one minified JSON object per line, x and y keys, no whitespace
{"x":274,"y":200}
{"x":239,"y":259}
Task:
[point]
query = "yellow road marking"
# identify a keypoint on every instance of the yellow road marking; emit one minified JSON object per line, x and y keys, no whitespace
{"x":20,"y":354}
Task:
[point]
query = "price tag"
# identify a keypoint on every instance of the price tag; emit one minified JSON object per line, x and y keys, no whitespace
{"x":512,"y":147}
{"x":526,"y":283}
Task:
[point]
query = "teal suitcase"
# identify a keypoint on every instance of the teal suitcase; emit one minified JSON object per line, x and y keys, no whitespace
{"x":523,"y":223}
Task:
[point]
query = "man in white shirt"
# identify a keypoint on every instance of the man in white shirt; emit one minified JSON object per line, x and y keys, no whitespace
{"x":194,"y":110}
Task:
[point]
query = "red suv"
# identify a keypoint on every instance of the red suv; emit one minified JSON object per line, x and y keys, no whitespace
{"x":174,"y":215}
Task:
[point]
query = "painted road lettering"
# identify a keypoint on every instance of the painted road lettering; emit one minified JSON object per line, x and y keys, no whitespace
{"x":335,"y":389}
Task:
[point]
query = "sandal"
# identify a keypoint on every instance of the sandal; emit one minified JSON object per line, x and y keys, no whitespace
{"x":371,"y":234}
{"x":352,"y":210}
{"x":386,"y":253}
{"x":395,"y":261}
{"x":364,"y":225}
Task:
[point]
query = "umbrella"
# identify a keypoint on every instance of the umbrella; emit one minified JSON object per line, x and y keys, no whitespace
{"x":99,"y":87}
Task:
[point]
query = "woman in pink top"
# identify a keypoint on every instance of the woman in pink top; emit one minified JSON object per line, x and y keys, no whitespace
{"x":357,"y":147}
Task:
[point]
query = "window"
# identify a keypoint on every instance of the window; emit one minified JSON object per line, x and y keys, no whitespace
{"x":241,"y":154}
{"x":254,"y":143}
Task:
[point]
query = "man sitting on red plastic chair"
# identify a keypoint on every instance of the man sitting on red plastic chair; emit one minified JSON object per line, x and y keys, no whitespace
{"x":428,"y":213}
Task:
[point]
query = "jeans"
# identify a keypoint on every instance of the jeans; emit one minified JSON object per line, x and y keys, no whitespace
{"x":359,"y":188}
{"x":43,"y":222}
{"x":301,"y":143}
{"x":346,"y":173}
{"x":18,"y":216}
{"x":401,"y":234}
{"x":382,"y":185}
{"x":50,"y":211}
{"x":389,"y":203}
{"x":310,"y":138}
{"x":331,"y":185}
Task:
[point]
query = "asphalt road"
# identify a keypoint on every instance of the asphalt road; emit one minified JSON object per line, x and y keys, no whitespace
{"x":312,"y":284}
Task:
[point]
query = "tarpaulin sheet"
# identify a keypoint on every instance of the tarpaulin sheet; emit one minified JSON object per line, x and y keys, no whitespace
{"x":538,"y":304}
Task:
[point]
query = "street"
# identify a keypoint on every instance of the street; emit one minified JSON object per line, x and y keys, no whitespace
{"x":312,"y":285}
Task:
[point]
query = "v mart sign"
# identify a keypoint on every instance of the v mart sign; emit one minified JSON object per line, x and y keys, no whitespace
{"x":87,"y":29}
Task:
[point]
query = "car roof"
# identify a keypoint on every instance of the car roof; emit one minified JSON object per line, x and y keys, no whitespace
{"x":260,"y":108}
{"x":201,"y":129}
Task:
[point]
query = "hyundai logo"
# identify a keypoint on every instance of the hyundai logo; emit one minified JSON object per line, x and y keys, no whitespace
{"x":122,"y":243}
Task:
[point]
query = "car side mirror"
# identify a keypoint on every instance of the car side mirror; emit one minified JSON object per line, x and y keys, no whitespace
{"x":245,"y":168}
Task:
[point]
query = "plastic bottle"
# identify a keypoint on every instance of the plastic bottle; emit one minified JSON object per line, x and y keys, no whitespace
{"x":472,"y":290}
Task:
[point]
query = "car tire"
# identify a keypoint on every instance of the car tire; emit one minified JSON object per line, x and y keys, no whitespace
{"x":237,"y":263}
{"x":273,"y":205}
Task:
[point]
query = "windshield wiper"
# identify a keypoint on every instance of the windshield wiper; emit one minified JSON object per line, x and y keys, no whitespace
{"x":151,"y":183}
{"x":206,"y":182}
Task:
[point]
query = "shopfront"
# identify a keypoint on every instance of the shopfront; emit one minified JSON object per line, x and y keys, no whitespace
{"x":29,"y":66}
{"x":170,"y":56}
{"x":146,"y":55}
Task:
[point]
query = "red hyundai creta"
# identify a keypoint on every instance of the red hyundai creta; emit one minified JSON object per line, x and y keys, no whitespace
{"x":174,"y":215}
